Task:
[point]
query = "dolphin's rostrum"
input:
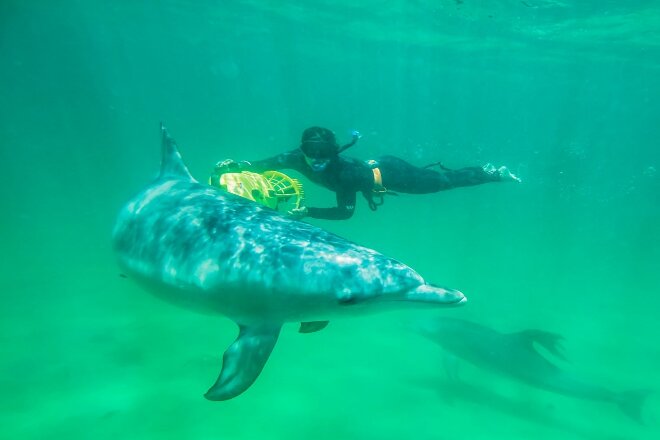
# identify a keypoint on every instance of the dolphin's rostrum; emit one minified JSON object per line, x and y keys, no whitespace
{"x":202,"y":248}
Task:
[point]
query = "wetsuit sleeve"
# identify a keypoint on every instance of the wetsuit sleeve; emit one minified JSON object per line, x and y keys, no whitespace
{"x":344,"y":210}
{"x":291,"y":160}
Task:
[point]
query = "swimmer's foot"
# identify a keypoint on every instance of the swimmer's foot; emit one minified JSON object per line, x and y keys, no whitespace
{"x":502,"y":172}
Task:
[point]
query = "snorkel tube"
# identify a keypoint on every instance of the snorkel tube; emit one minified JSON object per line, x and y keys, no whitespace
{"x":320,"y":164}
{"x":355,"y":136}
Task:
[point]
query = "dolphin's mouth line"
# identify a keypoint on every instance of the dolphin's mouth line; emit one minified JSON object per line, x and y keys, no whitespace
{"x":425,"y":301}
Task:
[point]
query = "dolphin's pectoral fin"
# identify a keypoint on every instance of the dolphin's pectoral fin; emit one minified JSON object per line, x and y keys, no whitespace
{"x":243,"y":361}
{"x":549,"y":341}
{"x":312,"y":326}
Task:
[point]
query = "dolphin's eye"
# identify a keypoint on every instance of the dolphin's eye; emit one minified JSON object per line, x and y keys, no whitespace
{"x":346,"y":297}
{"x":347,"y":300}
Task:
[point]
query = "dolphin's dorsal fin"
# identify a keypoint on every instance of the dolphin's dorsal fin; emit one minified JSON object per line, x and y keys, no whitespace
{"x":549,"y":341}
{"x":244,"y":360}
{"x":312,"y":326}
{"x":171,"y":165}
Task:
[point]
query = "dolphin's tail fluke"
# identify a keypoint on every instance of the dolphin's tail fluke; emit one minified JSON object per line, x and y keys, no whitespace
{"x":631,"y":403}
{"x":171,"y":165}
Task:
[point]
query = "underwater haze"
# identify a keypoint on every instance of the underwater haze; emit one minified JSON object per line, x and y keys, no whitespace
{"x":566,"y":93}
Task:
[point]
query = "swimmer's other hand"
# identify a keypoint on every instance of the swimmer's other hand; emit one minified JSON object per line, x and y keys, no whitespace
{"x":299,"y":213}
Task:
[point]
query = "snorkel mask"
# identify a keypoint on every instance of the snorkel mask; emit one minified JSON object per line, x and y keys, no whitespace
{"x":320,"y":147}
{"x":317,"y":165}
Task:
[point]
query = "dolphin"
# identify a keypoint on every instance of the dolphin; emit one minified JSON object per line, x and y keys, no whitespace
{"x":515,"y":355}
{"x":201,"y":248}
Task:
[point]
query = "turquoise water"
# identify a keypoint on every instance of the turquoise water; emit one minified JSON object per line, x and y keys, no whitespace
{"x":565,"y":93}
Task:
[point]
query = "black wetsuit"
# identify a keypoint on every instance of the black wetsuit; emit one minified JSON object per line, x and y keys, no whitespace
{"x":347,"y":176}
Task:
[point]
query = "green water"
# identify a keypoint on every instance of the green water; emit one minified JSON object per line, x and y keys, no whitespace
{"x":566,"y":93}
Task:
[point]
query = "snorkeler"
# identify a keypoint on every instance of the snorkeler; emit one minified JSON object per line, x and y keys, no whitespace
{"x":318,"y":158}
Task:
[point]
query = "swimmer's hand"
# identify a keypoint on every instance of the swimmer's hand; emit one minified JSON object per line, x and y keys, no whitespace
{"x":230,"y":166}
{"x":299,"y":213}
{"x":507,"y":176}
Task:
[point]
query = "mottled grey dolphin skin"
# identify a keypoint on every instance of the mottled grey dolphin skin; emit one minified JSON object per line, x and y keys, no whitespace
{"x":202,"y":248}
{"x":515,"y":355}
